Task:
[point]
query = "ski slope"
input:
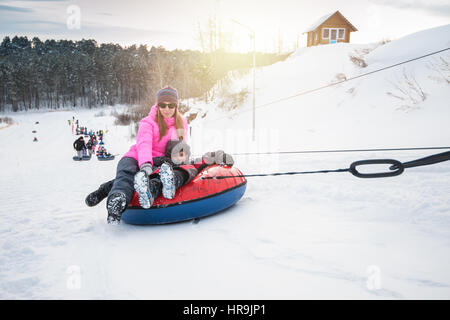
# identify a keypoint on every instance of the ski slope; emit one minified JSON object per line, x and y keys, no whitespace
{"x":321,"y":236}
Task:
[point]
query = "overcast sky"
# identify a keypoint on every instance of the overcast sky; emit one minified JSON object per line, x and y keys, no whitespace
{"x":174,"y":23}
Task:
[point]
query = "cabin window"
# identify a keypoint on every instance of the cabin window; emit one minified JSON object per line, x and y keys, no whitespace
{"x":333,"y":33}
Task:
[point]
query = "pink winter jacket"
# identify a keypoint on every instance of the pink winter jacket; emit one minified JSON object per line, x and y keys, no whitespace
{"x":147,"y":145}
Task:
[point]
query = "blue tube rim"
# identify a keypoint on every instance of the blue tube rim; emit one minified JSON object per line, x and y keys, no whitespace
{"x":160,"y":206}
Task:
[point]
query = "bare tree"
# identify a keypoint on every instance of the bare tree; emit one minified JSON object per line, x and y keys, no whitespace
{"x":202,"y":41}
{"x":408,"y":90}
{"x":441,"y":67}
{"x":280,"y":42}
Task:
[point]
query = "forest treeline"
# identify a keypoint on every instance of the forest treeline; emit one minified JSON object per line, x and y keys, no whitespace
{"x":64,"y":73}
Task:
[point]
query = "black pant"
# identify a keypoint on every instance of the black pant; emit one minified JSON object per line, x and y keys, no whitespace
{"x":124,"y":181}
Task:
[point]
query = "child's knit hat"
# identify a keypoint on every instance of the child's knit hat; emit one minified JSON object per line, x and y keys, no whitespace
{"x":177,"y":146}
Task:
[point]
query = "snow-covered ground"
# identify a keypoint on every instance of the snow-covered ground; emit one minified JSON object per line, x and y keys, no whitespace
{"x":326,"y":236}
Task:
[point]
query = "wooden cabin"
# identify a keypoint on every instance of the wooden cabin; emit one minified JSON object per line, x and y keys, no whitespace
{"x":331,"y":28}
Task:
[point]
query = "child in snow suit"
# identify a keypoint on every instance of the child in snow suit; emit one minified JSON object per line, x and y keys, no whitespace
{"x":168,"y":173}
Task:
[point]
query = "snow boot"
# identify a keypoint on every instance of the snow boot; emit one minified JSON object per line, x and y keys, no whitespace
{"x":167,"y":180}
{"x":147,"y":190}
{"x":94,"y":198}
{"x":116,"y":205}
{"x":142,"y":188}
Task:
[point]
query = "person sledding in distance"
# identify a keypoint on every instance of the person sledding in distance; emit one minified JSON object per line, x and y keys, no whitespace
{"x":169,"y":173}
{"x":89,"y":146}
{"x":100,"y":137}
{"x":101,"y":152}
{"x":94,"y":141}
{"x":79,"y":146}
{"x":163,"y":123}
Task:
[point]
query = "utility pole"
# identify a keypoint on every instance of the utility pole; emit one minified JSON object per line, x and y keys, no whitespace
{"x":252,"y":36}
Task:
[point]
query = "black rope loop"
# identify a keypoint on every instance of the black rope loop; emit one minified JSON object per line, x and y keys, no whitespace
{"x":399,"y":168}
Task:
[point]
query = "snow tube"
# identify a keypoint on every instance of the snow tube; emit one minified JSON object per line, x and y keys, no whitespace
{"x":100,"y":158}
{"x":199,"y":198}
{"x":76,"y":158}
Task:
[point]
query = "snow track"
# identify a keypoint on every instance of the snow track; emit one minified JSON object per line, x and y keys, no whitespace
{"x":329,"y":236}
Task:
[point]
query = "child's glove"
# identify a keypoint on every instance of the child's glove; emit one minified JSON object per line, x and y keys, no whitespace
{"x":218,"y":157}
{"x":224,"y":158}
{"x":147,"y":168}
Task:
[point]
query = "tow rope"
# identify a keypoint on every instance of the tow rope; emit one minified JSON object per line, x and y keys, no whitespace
{"x":396,"y":168}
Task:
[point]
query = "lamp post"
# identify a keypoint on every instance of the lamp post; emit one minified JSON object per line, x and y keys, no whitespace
{"x":252,"y":35}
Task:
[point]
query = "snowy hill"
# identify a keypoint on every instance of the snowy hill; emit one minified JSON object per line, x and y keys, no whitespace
{"x":329,"y":236}
{"x":367,"y":105}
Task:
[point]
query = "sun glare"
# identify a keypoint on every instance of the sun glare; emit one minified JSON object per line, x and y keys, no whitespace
{"x":239,"y":23}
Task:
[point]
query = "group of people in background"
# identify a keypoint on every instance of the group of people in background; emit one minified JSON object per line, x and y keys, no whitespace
{"x":90,"y":133}
{"x":88,"y":148}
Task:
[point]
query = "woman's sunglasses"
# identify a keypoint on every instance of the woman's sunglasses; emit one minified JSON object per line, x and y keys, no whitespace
{"x":165,"y":105}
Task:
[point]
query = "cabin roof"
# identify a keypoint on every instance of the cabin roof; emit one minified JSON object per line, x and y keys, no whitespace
{"x":321,"y":20}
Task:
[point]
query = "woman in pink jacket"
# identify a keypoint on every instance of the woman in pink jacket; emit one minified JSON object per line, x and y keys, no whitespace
{"x":164,"y":123}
